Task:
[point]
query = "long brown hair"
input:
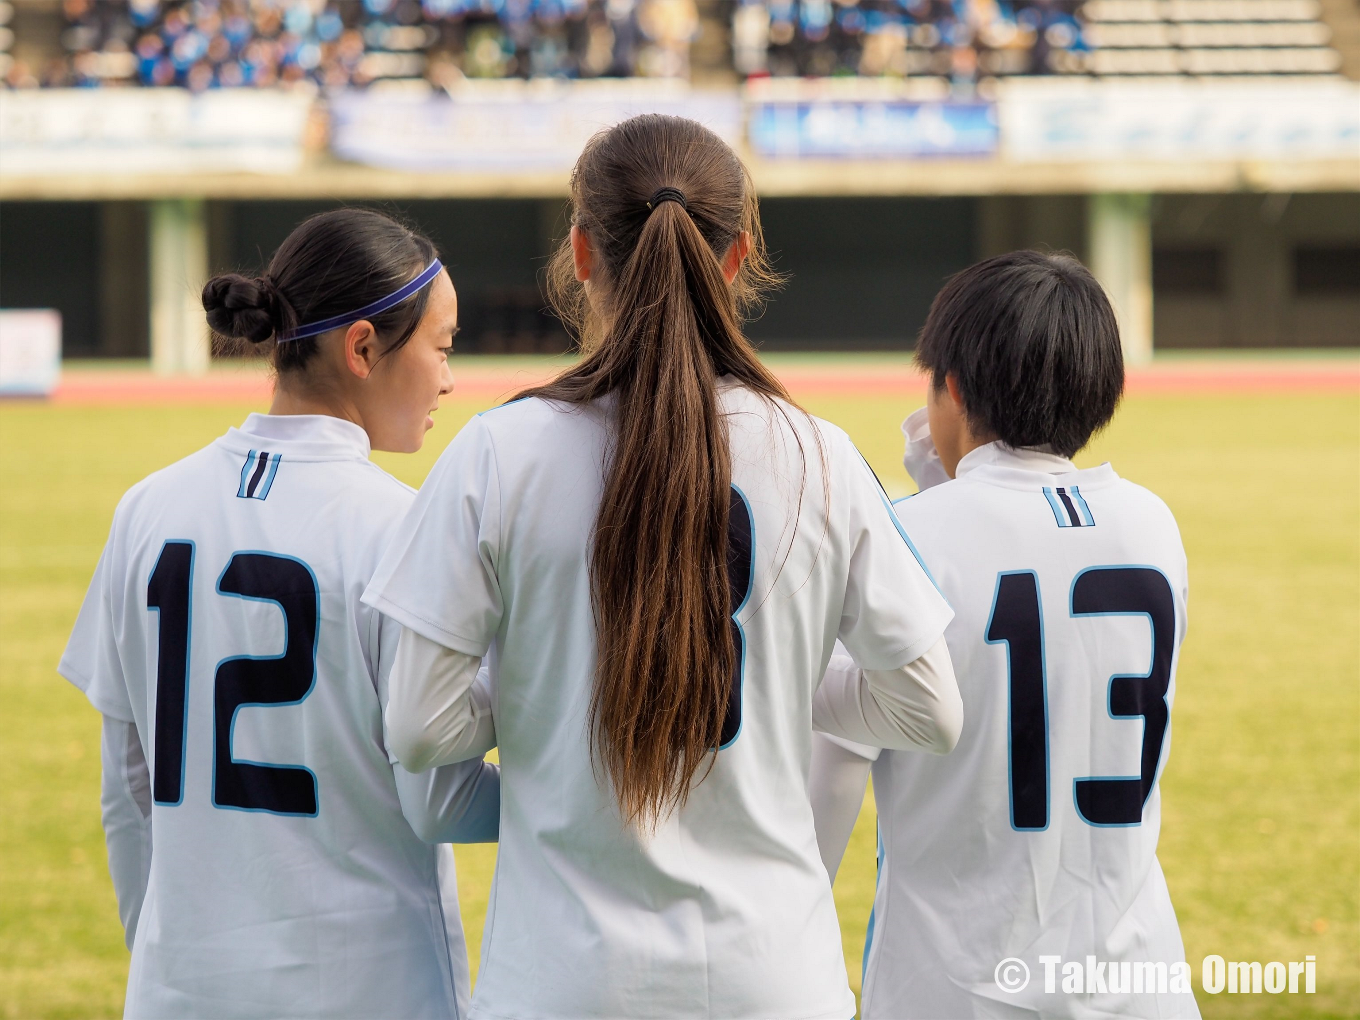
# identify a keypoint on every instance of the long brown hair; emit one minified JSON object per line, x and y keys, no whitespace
{"x":659,"y":325}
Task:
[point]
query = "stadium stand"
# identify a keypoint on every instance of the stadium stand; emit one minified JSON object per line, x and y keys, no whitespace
{"x":1209,"y":37}
{"x":960,"y":41}
{"x":977,"y":38}
{"x":1200,"y":154}
{"x":202,"y":44}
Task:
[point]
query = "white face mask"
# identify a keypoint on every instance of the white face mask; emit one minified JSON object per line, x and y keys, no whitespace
{"x":921,"y":459}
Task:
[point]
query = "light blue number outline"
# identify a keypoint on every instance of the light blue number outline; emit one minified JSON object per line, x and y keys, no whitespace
{"x":188,"y":652}
{"x":1142,"y":719}
{"x":231,"y":728}
{"x":1043,"y":676}
{"x":750,"y":587}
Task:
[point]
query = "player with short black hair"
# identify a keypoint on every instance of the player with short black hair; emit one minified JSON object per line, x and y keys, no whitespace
{"x":269,"y":857}
{"x":1032,"y":346}
{"x":1036,"y":839}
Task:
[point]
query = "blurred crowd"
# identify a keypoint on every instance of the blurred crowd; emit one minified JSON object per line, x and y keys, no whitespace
{"x":958,"y":39}
{"x":202,"y":44}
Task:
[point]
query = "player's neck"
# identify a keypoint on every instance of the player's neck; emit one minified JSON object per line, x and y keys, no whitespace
{"x":968,"y":442}
{"x":290,"y":400}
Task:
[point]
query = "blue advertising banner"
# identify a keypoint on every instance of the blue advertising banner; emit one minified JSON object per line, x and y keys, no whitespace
{"x":866,"y":130}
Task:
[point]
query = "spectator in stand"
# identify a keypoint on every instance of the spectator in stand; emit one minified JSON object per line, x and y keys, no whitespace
{"x":963,"y":40}
{"x":204,"y":44}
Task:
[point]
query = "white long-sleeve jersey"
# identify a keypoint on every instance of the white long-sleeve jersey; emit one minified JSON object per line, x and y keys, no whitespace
{"x":725,"y":909}
{"x":1036,"y":839}
{"x":270,"y":858}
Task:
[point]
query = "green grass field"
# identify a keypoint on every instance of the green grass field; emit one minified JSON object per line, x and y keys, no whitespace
{"x":1261,"y":833}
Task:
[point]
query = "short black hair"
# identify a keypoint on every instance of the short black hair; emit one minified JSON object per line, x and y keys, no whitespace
{"x":1033,"y":342}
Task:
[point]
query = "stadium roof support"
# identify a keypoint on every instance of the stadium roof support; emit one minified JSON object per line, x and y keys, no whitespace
{"x":1120,"y":249}
{"x":179,"y":268}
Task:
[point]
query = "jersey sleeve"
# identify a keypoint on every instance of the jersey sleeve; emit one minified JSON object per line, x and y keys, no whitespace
{"x":842,"y":661}
{"x":91,"y":661}
{"x":457,"y":803}
{"x":125,"y":807}
{"x":893,"y":610}
{"x":864,"y":751}
{"x":438,"y":575}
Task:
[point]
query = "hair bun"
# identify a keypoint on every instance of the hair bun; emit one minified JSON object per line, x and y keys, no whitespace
{"x":238,"y":306}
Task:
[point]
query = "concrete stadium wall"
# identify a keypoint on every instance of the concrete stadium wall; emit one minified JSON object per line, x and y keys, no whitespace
{"x":1257,"y":270}
{"x":861,"y":272}
{"x":1239,"y":270}
{"x":1235,"y":270}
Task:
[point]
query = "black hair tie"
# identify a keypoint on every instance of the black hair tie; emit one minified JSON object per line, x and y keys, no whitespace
{"x":668,"y":195}
{"x":269,"y":293}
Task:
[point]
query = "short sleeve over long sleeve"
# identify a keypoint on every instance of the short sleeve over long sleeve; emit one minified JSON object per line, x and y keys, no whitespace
{"x":91,"y":661}
{"x":438,"y":576}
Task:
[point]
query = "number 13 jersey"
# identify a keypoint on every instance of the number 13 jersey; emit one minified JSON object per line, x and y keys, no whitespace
{"x":1037,"y":836}
{"x":224,"y":621}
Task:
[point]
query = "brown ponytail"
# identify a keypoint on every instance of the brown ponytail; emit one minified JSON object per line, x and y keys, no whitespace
{"x":658,"y":327}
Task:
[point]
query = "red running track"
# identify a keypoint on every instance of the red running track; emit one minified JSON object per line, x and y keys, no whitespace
{"x":493,"y":382}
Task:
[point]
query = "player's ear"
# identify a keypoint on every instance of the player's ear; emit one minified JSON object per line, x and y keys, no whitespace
{"x":951,"y":382}
{"x":580,"y":253}
{"x":736,"y":255}
{"x":361,"y":348}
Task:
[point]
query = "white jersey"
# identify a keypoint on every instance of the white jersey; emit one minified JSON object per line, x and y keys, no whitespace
{"x":224,"y":621}
{"x":1036,"y":839}
{"x":725,"y":911}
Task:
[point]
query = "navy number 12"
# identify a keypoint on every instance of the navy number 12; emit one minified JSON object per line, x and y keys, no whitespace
{"x":243,"y":680}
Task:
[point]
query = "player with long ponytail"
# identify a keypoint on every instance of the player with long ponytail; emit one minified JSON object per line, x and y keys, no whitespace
{"x":659,"y":576}
{"x":658,"y":550}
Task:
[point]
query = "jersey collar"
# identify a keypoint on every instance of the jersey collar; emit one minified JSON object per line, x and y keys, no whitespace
{"x":1026,"y":467}
{"x":301,"y":436}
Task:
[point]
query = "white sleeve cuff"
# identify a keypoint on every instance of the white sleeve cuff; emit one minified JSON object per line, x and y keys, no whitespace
{"x":865,"y":751}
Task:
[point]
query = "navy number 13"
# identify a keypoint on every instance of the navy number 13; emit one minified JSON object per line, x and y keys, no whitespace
{"x":1018,"y":622}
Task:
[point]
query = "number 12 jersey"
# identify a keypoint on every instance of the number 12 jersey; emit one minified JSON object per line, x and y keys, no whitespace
{"x":287,"y":876}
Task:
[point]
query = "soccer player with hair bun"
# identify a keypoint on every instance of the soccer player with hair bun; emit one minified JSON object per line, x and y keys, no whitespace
{"x":269,"y":856}
{"x":659,"y":550}
{"x":1036,"y":840}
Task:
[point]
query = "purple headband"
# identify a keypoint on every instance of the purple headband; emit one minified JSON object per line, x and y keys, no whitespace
{"x":369,"y":310}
